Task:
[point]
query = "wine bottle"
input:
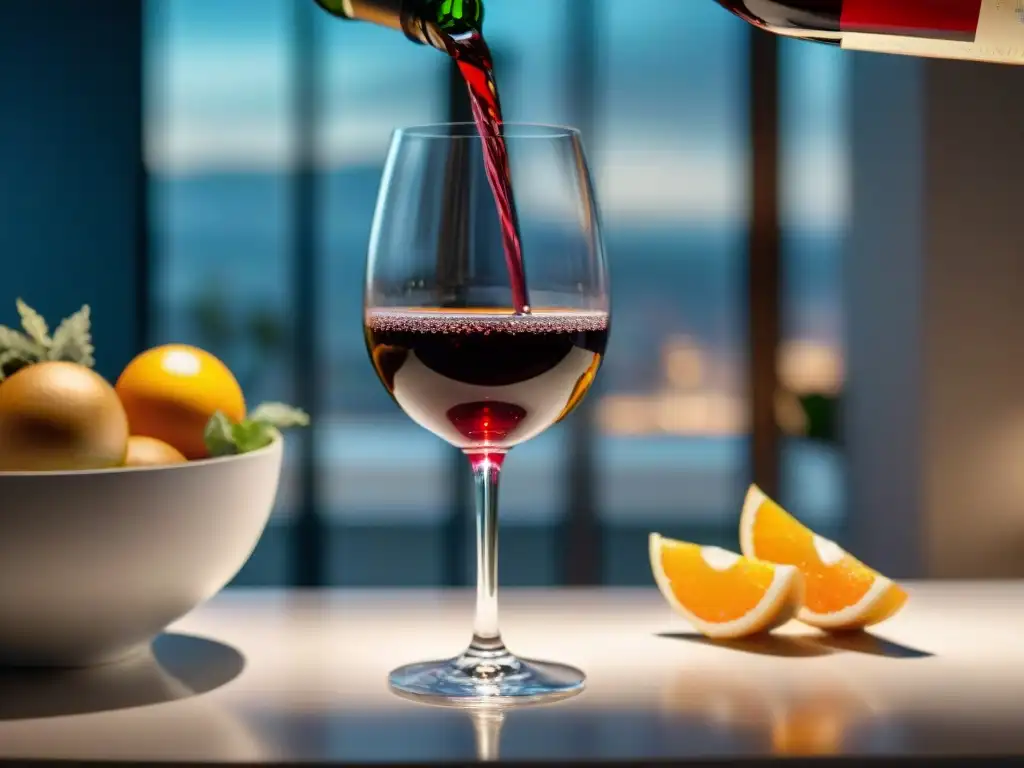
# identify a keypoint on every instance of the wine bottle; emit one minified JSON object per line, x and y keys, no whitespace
{"x":978,"y":30}
{"x":428,"y":22}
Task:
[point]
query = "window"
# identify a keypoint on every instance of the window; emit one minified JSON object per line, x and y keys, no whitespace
{"x":219,"y":143}
{"x":671,"y":165}
{"x":815,"y":200}
{"x":667,"y":138}
{"x":384,"y":481}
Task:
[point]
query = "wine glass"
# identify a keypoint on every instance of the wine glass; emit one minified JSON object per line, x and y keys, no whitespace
{"x":471,"y":359}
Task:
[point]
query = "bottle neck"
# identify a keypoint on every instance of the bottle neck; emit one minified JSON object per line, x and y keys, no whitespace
{"x":406,"y":16}
{"x":418,"y":29}
{"x":383,"y":13}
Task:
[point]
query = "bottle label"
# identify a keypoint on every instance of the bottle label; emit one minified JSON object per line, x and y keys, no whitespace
{"x":938,"y":19}
{"x":981,"y":30}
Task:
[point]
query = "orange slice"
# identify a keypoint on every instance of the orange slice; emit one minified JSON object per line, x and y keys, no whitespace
{"x":723,"y":594}
{"x":840,"y":592}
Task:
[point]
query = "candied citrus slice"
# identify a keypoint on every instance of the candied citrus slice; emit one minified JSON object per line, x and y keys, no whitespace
{"x":840,"y":592}
{"x":723,"y":594}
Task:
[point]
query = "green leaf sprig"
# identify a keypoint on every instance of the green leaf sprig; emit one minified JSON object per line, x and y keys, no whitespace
{"x":259,"y":429}
{"x":71,"y":342}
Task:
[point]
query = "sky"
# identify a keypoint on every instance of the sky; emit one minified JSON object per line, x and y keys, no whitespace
{"x":670,"y":134}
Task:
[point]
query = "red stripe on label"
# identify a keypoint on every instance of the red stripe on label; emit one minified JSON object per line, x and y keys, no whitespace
{"x":945,"y":19}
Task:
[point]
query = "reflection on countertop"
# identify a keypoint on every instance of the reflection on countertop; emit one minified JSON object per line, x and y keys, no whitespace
{"x":488,"y":720}
{"x":942,"y":677}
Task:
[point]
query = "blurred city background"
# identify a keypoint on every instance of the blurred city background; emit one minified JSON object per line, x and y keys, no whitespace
{"x":815,"y":257}
{"x":668,"y":140}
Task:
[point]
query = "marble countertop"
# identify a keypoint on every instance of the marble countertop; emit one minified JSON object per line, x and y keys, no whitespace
{"x":282,"y":677}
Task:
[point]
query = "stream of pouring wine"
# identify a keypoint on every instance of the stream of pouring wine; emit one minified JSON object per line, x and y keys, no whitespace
{"x":476,"y":65}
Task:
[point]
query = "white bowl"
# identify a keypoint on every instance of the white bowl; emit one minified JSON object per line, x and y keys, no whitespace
{"x":95,"y":564}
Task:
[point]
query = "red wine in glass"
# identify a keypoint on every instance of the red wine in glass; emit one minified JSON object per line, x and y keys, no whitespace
{"x":486,"y":379}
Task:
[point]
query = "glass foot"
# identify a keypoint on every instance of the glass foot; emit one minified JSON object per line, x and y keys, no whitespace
{"x":482,"y":677}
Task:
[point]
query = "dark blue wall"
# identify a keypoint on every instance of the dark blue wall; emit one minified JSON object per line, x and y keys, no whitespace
{"x":72,"y":191}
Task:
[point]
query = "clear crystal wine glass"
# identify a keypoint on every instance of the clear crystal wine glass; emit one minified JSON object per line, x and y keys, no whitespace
{"x":465,"y":356}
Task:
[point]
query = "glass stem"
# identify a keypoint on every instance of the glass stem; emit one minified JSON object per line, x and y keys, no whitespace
{"x":486,"y":472}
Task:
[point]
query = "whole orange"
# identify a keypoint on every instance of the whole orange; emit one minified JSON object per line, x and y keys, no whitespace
{"x":170,"y":393}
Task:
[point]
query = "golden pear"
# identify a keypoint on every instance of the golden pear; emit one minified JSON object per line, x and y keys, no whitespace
{"x":58,"y":416}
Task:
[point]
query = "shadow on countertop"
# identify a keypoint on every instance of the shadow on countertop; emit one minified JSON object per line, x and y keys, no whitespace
{"x":798,"y":646}
{"x":177,"y":666}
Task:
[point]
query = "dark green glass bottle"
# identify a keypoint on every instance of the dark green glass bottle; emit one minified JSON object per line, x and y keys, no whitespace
{"x":428,"y":22}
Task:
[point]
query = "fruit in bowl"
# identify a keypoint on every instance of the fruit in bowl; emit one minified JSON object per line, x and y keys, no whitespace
{"x":151,"y":452}
{"x":126,"y":505}
{"x":170,"y":404}
{"x":171,"y":392}
{"x":60,"y":416}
